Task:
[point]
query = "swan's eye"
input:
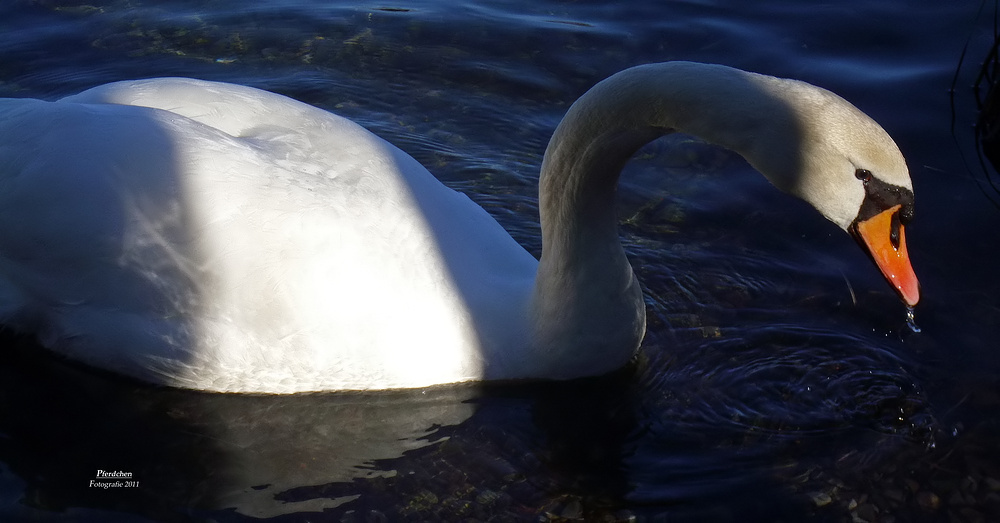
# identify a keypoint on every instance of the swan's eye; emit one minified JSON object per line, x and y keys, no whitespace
{"x":864,"y":175}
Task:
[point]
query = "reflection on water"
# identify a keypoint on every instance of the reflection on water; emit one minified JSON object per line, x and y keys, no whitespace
{"x":778,"y":380}
{"x":204,"y":451}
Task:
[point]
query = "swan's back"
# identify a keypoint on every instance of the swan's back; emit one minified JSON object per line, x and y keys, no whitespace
{"x":220,"y":237}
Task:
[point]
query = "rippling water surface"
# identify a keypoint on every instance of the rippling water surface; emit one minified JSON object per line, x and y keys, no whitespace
{"x":778,"y":380}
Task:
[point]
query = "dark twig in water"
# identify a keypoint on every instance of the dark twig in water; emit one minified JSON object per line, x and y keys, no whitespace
{"x":850,"y":288}
{"x":957,"y":404}
{"x":987,"y":132}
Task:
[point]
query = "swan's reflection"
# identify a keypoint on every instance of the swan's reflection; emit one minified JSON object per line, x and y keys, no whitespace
{"x":271,"y":444}
{"x":60,"y":424}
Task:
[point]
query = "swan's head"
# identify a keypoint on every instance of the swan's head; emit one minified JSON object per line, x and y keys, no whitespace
{"x":848,"y":168}
{"x":806,"y":140}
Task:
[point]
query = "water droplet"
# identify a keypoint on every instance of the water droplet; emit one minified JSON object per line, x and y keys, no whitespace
{"x":910,"y":322}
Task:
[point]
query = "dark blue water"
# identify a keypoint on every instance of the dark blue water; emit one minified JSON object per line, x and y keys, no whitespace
{"x":778,"y":381}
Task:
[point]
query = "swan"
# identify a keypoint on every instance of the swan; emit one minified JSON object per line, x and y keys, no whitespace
{"x":218,"y":237}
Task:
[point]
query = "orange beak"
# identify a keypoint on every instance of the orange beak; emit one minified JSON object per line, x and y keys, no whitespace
{"x":889,"y":253}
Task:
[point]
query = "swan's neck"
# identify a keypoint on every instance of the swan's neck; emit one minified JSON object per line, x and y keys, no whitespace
{"x":587,"y":304}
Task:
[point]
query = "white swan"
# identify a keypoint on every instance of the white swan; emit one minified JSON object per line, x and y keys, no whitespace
{"x":219,"y":237}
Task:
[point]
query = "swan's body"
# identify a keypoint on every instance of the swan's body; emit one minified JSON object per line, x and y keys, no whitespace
{"x":219,"y":237}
